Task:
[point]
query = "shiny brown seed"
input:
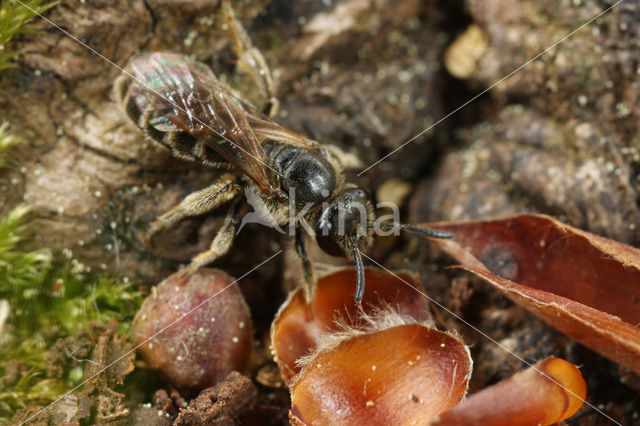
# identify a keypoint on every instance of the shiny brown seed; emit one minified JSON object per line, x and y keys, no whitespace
{"x":204,"y":345}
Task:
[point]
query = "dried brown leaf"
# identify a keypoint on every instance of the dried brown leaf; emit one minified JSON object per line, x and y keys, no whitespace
{"x":584,"y":285}
{"x":547,"y":393}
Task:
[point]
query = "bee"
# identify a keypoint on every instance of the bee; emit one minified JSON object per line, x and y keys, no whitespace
{"x":181,"y":105}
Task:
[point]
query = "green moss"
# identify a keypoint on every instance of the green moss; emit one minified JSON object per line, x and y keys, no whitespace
{"x":13,"y":17}
{"x":46,"y":300}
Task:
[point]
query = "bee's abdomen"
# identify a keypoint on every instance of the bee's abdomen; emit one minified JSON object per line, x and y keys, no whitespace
{"x":125,"y":93}
{"x":181,"y":144}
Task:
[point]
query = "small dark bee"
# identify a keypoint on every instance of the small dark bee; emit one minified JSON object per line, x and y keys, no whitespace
{"x":180,"y":104}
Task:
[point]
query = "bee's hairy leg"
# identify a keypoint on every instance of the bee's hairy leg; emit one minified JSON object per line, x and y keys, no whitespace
{"x":251,"y":60}
{"x":347,"y":160}
{"x":224,"y":189}
{"x":307,"y":267}
{"x":223,"y":240}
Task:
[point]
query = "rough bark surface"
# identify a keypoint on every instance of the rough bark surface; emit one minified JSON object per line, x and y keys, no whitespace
{"x":561,"y":135}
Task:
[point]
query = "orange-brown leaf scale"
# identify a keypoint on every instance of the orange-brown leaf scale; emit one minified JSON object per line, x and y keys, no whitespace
{"x":298,"y":326}
{"x":394,"y":376}
{"x":550,"y":392}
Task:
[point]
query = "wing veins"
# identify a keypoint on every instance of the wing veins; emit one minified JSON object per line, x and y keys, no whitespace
{"x":179,"y":80}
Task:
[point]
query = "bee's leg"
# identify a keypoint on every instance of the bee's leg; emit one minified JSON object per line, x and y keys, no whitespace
{"x":309,"y":273}
{"x":224,"y":189}
{"x":347,"y":160}
{"x":251,"y":60}
{"x":223,"y":240}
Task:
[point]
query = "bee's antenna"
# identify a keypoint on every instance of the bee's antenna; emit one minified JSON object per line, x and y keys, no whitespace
{"x":427,"y":232}
{"x":359,"y":272}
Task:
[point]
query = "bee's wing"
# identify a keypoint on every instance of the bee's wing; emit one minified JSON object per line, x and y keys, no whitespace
{"x":185,"y":95}
{"x":267,"y":129}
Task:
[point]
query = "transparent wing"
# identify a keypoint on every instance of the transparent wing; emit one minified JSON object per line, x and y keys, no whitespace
{"x":267,"y":129}
{"x":185,"y":95}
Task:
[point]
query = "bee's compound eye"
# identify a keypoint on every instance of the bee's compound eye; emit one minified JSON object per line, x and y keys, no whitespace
{"x":329,"y":245}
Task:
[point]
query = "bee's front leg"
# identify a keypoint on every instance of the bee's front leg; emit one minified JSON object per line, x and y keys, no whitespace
{"x":309,"y":273}
{"x":223,"y":190}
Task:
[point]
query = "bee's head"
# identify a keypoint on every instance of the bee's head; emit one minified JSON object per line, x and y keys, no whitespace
{"x":343,"y":223}
{"x":345,"y":227}
{"x":341,"y":229}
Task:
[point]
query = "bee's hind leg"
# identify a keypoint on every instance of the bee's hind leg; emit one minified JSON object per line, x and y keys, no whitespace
{"x":250,"y":60}
{"x":347,"y":160}
{"x":223,"y":240}
{"x":307,"y":267}
{"x":223,"y":190}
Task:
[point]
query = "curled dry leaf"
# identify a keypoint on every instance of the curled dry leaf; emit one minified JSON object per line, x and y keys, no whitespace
{"x":546,"y":393}
{"x":299,"y":324}
{"x":586,"y":286}
{"x":390,"y":374}
{"x":196,"y":339}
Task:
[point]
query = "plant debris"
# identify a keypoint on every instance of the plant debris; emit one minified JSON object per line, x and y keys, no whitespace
{"x":89,"y":352}
{"x":223,"y":404}
{"x":582,"y":284}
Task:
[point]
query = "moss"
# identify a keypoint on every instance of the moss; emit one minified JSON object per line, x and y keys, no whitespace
{"x":46,"y":300}
{"x":13,"y":17}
